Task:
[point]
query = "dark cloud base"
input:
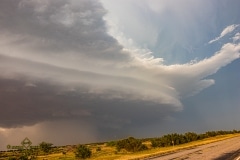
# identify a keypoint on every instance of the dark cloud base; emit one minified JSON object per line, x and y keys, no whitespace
{"x":28,"y":104}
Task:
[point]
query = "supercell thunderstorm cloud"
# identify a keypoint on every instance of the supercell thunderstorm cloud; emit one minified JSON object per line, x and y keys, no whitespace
{"x":65,"y":68}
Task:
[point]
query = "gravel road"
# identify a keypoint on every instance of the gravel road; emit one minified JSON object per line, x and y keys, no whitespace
{"x":223,"y":150}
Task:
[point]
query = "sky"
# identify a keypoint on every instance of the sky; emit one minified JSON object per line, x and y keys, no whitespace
{"x":82,"y":71}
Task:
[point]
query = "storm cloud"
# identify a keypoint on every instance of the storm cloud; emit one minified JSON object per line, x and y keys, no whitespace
{"x":58,"y":63}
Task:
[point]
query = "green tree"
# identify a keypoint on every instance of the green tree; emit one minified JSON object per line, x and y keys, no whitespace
{"x":156,"y":142}
{"x":190,"y":136}
{"x":111,"y":143}
{"x":83,"y":152}
{"x":45,"y":147}
{"x":131,"y":145}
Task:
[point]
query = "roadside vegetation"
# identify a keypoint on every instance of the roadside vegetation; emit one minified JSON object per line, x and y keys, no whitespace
{"x":129,"y":148}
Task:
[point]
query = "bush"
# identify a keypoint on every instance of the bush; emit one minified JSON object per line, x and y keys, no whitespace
{"x":131,"y":145}
{"x":111,"y":143}
{"x":45,"y":147}
{"x":83,"y":152}
{"x":98,"y":149}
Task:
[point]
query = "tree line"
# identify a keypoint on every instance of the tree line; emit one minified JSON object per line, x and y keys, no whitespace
{"x":133,"y":145}
{"x":176,"y":139}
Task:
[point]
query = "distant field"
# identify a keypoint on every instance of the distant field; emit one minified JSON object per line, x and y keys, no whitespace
{"x":110,"y":153}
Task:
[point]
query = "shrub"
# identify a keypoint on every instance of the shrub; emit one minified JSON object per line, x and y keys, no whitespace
{"x":111,"y":143}
{"x":83,"y":152}
{"x":45,"y":147}
{"x":98,"y":149}
{"x":131,"y":145}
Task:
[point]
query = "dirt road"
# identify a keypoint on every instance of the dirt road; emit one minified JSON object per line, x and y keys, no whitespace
{"x":223,"y":150}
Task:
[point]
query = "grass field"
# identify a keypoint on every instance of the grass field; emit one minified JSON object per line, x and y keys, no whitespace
{"x":110,"y":153}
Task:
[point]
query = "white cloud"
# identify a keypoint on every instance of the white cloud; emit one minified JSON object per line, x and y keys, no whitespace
{"x":236,"y":37}
{"x":131,"y":30}
{"x":190,"y":78}
{"x":226,"y":31}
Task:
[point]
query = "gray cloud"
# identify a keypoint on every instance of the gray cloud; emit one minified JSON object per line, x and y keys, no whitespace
{"x":57,"y":27}
{"x":58,"y":66}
